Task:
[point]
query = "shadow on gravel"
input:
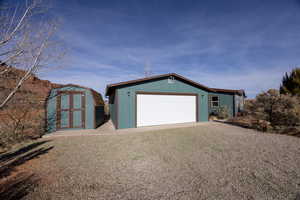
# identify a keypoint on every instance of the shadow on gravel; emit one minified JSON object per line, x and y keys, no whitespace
{"x":18,"y":187}
{"x":298,"y":196}
{"x":7,"y":156}
{"x":14,"y":184}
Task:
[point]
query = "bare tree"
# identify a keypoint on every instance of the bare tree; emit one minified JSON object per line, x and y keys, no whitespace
{"x":26,"y":41}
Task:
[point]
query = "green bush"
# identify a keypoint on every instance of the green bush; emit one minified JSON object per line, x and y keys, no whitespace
{"x":281,"y":111}
{"x":291,"y":83}
{"x":223,"y":112}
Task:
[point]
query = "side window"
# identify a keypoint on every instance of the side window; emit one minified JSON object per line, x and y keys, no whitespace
{"x":215,"y":101}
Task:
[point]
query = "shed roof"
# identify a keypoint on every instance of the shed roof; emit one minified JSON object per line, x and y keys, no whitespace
{"x":98,"y":100}
{"x":111,"y":87}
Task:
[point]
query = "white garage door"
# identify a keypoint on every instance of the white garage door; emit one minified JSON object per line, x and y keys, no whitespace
{"x":157,"y":109}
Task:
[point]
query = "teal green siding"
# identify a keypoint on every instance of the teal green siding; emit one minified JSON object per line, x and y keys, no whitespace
{"x":113,"y":108}
{"x":51,"y":112}
{"x":77,"y":118}
{"x":89,"y":108}
{"x":65,"y":119}
{"x":224,"y":100}
{"x":77,"y":101}
{"x":126,"y":99}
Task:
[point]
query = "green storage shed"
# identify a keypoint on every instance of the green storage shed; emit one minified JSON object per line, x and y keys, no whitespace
{"x":74,"y":107}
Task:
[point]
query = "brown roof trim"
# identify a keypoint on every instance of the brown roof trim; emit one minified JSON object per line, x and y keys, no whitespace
{"x":110,"y":87}
{"x":98,"y":100}
{"x":114,"y":85}
{"x":240,"y":92}
{"x":72,"y":85}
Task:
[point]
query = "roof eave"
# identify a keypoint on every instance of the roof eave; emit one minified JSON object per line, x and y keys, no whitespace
{"x":116,"y":85}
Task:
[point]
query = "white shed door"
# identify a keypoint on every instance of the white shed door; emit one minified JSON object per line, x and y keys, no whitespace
{"x":157,"y":109}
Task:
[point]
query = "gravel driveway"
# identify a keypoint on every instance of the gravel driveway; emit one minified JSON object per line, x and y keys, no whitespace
{"x":211,"y":161}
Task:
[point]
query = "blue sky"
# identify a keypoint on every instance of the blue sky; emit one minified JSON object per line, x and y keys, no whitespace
{"x":219,"y":43}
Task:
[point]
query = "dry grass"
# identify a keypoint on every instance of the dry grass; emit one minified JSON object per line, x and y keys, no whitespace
{"x":213,"y":161}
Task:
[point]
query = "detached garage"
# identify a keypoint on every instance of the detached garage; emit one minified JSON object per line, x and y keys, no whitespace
{"x":74,"y":107}
{"x":166,"y":99}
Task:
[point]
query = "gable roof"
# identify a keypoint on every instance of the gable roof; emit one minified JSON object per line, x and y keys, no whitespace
{"x":98,"y":100}
{"x":111,"y":87}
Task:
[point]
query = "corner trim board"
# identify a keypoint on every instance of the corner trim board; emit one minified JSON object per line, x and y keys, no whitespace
{"x":117,"y":109}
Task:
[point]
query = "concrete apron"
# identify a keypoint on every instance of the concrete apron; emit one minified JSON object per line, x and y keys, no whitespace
{"x":108,"y":129}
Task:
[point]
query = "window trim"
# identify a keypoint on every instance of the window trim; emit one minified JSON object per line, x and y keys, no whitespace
{"x":212,"y":102}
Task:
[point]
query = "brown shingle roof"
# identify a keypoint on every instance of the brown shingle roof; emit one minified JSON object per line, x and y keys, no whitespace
{"x":111,"y":87}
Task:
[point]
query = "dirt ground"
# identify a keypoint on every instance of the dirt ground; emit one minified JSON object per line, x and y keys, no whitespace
{"x":210,"y":161}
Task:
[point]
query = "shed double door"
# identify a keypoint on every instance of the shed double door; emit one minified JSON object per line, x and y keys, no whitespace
{"x":70,"y":110}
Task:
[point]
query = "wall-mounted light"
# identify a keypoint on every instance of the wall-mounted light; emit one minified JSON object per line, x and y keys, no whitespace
{"x":171,"y":79}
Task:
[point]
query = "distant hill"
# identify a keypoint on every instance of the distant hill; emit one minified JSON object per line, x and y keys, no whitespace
{"x":39,"y":88}
{"x":28,"y":103}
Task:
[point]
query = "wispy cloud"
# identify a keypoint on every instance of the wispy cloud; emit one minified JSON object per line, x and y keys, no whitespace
{"x":229,"y":45}
{"x":97,"y":81}
{"x":252,"y":80}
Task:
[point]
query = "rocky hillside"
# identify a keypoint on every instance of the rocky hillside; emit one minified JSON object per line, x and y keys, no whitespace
{"x":40,"y":88}
{"x":25,"y":114}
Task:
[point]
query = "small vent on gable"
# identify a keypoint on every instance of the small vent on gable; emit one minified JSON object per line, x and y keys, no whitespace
{"x":171,"y":79}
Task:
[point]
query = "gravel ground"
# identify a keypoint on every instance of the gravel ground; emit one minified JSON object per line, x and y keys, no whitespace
{"x":212,"y":161}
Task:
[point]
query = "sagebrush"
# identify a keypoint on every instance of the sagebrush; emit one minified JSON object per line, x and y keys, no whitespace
{"x":272,"y":111}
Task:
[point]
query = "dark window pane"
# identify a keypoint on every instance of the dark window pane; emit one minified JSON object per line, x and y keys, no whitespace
{"x":215,"y":104}
{"x":215,"y":99}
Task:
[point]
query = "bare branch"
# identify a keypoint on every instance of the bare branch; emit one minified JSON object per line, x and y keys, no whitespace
{"x":25,"y":77}
{"x":11,"y":57}
{"x":4,"y":71}
{"x":29,"y":46}
{"x":12,"y":20}
{"x":11,"y":35}
{"x":7,"y":52}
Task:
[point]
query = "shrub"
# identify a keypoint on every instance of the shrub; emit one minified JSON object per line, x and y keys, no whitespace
{"x":272,"y":111}
{"x":22,"y":119}
{"x":279,"y":110}
{"x":223,"y":112}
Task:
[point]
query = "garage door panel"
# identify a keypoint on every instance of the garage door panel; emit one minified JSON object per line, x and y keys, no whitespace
{"x":165,"y":109}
